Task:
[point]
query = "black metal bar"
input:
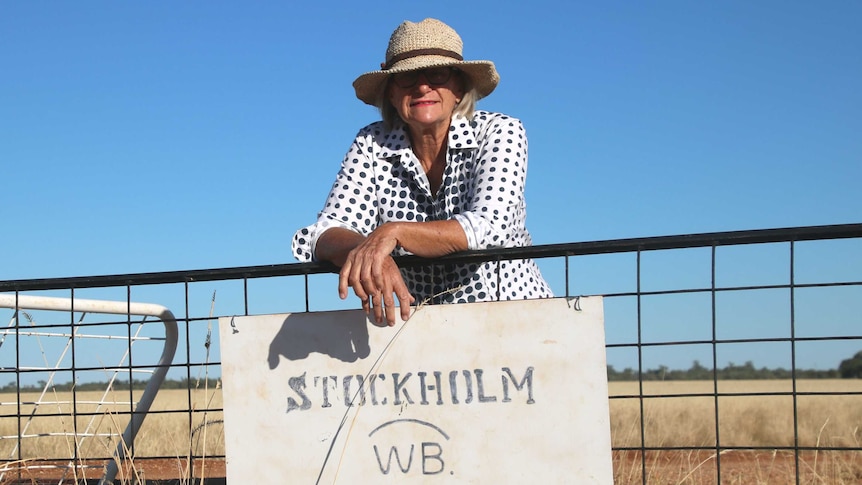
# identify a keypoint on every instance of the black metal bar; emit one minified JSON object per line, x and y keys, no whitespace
{"x":72,"y":330}
{"x":736,"y":394}
{"x":19,"y":440}
{"x":134,"y":430}
{"x":499,"y":282}
{"x":675,"y":343}
{"x":307,"y":308}
{"x":245,"y":294}
{"x":640,"y":373}
{"x":793,"y":366}
{"x":714,"y":324}
{"x":758,"y":236}
{"x":568,"y":293}
{"x":190,"y":469}
{"x":735,"y":448}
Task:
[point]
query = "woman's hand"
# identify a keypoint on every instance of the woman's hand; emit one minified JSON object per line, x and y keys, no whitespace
{"x":372,"y":273}
{"x":367,"y":265}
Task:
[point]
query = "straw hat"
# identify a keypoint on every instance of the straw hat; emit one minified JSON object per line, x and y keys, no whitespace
{"x":428,"y":43}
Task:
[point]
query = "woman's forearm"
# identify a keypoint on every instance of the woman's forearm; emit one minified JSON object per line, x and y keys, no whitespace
{"x":430,"y":239}
{"x":425,"y":239}
{"x":335,"y":244}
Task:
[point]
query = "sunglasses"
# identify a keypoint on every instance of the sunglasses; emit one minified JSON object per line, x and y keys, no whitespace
{"x":435,"y":76}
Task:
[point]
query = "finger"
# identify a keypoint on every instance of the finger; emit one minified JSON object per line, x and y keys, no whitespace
{"x":405,"y":299}
{"x":377,"y":272}
{"x":389,"y":308}
{"x":377,"y":302}
{"x":366,"y":291}
{"x":371,"y":288}
{"x":360,"y":287}
{"x":372,"y":285}
{"x":343,"y":276}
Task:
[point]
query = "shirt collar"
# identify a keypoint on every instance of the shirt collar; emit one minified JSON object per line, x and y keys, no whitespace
{"x":462,"y":133}
{"x":462,"y":136}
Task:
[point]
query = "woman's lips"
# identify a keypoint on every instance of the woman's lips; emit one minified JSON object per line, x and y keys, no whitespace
{"x":422,"y":103}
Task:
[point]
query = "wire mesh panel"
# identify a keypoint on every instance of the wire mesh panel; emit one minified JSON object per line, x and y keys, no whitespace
{"x":700,"y":410}
{"x":58,"y":418}
{"x":730,"y":357}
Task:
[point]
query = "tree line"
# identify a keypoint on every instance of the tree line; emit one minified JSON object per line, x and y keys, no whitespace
{"x":117,"y":385}
{"x":848,"y":369}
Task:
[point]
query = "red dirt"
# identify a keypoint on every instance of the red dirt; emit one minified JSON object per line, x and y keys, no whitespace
{"x":737,"y":467}
{"x":664,"y":467}
{"x":145,"y":469}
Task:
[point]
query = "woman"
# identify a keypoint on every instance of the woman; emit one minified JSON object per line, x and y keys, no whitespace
{"x":432,"y":178}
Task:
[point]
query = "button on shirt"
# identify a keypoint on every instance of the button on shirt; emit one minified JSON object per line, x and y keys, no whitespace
{"x":381,"y":180}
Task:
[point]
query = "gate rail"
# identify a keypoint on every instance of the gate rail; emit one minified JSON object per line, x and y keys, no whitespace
{"x":714,"y":239}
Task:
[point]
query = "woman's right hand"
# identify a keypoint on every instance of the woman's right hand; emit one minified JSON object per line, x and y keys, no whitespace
{"x":367,"y":267}
{"x":375,"y":278}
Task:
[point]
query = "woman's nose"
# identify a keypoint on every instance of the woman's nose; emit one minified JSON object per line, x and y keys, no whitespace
{"x":422,"y":85}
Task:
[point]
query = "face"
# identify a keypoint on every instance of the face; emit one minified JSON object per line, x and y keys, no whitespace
{"x":426,"y":99}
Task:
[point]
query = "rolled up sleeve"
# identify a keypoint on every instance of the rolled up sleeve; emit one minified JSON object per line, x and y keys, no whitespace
{"x":351,"y":204}
{"x":495,"y":215}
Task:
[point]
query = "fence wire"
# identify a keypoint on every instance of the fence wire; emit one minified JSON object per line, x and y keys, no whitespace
{"x":699,"y":302}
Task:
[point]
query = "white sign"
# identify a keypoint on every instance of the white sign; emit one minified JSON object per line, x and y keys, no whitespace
{"x":503,"y":392}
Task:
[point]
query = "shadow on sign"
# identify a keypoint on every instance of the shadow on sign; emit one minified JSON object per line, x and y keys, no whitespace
{"x":343,"y":337}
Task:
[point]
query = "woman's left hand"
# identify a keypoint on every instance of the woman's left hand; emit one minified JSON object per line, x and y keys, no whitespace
{"x":372,"y":273}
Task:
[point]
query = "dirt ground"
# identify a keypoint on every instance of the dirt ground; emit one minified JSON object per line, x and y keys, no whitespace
{"x":737,"y":467}
{"x":665,"y":467}
{"x":146,"y":471}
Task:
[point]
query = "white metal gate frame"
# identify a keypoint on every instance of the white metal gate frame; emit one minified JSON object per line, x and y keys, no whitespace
{"x":27,"y":302}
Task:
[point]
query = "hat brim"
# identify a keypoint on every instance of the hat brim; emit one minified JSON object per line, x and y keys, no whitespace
{"x":482,"y":74}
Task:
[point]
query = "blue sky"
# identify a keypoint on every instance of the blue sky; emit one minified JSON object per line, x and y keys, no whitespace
{"x":156,"y":136}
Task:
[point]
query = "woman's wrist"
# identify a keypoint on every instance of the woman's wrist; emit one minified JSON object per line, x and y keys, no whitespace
{"x":391,"y":230}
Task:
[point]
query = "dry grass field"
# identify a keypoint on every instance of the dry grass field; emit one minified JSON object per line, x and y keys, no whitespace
{"x":761,"y":421}
{"x":671,"y":420}
{"x":165,"y":431}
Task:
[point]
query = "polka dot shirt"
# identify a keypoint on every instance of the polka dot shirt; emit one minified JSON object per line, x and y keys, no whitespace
{"x":381,"y":180}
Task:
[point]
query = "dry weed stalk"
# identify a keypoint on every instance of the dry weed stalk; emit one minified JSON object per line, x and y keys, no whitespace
{"x":373,"y":370}
{"x":697,"y":467}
